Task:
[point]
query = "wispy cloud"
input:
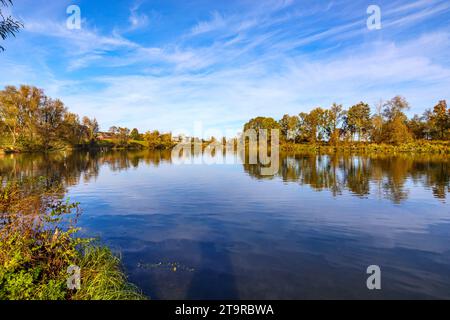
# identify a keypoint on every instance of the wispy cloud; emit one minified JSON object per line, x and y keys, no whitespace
{"x":259,"y":58}
{"x":137,"y":19}
{"x":216,"y":22}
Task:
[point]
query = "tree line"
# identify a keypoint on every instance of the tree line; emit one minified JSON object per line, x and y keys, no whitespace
{"x":32,"y":121}
{"x":387,"y":124}
{"x":152,"y":139}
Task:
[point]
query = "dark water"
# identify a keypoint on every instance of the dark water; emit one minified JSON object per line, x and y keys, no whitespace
{"x":225,"y":231}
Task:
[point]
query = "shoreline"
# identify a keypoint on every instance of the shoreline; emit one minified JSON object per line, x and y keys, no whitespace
{"x":419,"y":147}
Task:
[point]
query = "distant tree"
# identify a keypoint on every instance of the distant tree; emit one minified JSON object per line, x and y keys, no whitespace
{"x":50,"y":122}
{"x":92,"y":128}
{"x":123,"y":135}
{"x":9,"y":26}
{"x":113,"y":130}
{"x":377,"y":124}
{"x":73,"y":131}
{"x":313,"y":125}
{"x":289,"y":127}
{"x":10,"y":113}
{"x":395,"y":130}
{"x":259,"y":123}
{"x":134,"y":135}
{"x":333,"y":121}
{"x":153,"y":139}
{"x":32,"y":121}
{"x":439,"y":120}
{"x":358,"y":120}
{"x":306,"y":131}
{"x":419,"y":127}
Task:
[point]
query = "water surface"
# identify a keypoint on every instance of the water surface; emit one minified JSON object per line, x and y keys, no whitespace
{"x":226,"y":232}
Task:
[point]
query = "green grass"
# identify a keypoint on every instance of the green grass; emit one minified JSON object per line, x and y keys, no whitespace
{"x":38,"y":243}
{"x":433,"y":147}
{"x":103,"y":278}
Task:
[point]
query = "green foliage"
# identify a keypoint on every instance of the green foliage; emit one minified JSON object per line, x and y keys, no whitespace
{"x":102,"y":277}
{"x":158,"y":141}
{"x":8,"y":25}
{"x":340,"y":128}
{"x":31,"y":121}
{"x":38,"y":243}
{"x":358,"y":120}
{"x":135,"y":135}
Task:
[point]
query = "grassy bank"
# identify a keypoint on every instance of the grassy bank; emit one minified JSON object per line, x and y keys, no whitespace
{"x":434,"y":147}
{"x":39,"y":242}
{"x":106,"y":144}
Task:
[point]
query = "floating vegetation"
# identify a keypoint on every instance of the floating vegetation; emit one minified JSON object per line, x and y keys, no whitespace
{"x":167,"y":266}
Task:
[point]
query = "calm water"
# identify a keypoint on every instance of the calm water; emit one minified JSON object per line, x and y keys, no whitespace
{"x":225,"y":231}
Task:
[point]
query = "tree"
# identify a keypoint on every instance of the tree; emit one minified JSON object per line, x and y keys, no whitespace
{"x":113,"y":130}
{"x":134,"y":135}
{"x":72,"y":131}
{"x":395,"y":130}
{"x":123,"y":135}
{"x":377,"y":124}
{"x":92,"y":128}
{"x":153,"y":139}
{"x":8,"y":25}
{"x":312,"y":126}
{"x":418,"y":127}
{"x":289,"y":127}
{"x":358,"y":120}
{"x":333,"y":119}
{"x":439,"y":120}
{"x":260,"y":123}
{"x":32,"y":121}
{"x":9,"y":112}
{"x":50,"y":121}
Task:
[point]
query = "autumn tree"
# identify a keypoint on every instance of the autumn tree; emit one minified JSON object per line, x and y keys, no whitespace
{"x":123,"y":135}
{"x":358,"y":120}
{"x":289,"y":127}
{"x":113,"y":130}
{"x":262,"y":123}
{"x":395,"y":130}
{"x":439,"y":120}
{"x":49,"y":124}
{"x":312,"y":125}
{"x":419,"y":127}
{"x":334,"y":118}
{"x":135,"y":135}
{"x":92,"y":128}
{"x":33,"y":121}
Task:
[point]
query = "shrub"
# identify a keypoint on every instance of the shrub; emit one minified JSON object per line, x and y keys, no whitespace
{"x":38,"y":243}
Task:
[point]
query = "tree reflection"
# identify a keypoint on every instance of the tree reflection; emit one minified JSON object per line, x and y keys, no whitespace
{"x":385,"y":176}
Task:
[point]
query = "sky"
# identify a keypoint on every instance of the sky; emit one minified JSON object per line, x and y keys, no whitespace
{"x":177,"y":65}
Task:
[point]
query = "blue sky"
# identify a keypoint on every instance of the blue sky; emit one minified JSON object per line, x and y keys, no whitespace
{"x":167,"y":64}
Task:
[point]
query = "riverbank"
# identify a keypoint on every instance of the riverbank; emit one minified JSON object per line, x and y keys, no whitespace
{"x":110,"y":144}
{"x":40,"y":251}
{"x":422,"y":147}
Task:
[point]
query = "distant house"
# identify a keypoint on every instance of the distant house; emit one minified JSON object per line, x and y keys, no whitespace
{"x":180,"y":138}
{"x":105,"y":136}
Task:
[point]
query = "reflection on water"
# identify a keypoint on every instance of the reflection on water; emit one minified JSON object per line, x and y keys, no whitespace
{"x":226,"y":231}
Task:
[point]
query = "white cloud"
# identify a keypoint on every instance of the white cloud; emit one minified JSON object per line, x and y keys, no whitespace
{"x":254,"y":65}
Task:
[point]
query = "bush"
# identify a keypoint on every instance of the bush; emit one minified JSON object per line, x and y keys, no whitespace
{"x":38,"y":243}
